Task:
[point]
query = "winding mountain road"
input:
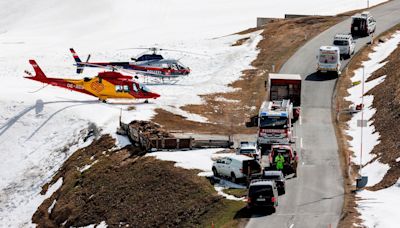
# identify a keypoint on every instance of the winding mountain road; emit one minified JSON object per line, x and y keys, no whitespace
{"x":315,"y":197}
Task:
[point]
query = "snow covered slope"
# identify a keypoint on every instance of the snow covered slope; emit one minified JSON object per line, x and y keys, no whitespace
{"x":38,"y":129}
{"x":377,"y":208}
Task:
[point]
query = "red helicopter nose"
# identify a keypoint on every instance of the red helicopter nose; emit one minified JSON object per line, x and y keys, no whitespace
{"x":154,"y":95}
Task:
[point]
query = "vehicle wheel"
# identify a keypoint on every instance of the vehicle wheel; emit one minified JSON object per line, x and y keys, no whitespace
{"x":233,"y":178}
{"x":215,"y":172}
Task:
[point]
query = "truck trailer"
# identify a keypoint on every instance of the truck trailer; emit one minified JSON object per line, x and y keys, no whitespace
{"x":286,"y":87}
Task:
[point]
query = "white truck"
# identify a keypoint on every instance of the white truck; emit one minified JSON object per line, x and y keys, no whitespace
{"x":328,"y":60}
{"x":345,"y":43}
{"x":249,"y":149}
{"x":236,"y":167}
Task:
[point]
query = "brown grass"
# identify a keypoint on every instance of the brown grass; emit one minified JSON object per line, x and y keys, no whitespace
{"x":281,"y":39}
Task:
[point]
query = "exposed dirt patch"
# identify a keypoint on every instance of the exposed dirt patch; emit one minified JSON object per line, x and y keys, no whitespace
{"x":241,"y":41}
{"x":281,"y":39}
{"x":123,"y":188}
{"x":388,"y":149}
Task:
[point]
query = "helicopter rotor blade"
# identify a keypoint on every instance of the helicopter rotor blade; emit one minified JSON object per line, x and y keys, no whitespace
{"x":188,"y":52}
{"x":155,"y":49}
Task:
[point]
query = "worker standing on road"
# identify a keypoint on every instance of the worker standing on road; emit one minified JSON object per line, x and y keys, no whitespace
{"x":279,"y":160}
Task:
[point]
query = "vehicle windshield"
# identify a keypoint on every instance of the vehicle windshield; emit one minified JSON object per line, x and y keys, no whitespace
{"x":340,"y":42}
{"x":272,"y":177}
{"x":328,"y":58}
{"x":180,"y":65}
{"x":247,"y":151}
{"x":257,"y":190}
{"x":134,"y":86}
{"x":273,"y":121}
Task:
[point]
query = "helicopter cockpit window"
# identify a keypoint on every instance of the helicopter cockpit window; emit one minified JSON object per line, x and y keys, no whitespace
{"x":135,"y":87}
{"x":164,"y":65}
{"x":121,"y":88}
{"x":144,"y":88}
{"x":118,"y":88}
{"x":180,"y":66}
{"x":174,"y":67}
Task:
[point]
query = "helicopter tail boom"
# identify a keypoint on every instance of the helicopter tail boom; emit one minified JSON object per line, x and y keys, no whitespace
{"x":39,"y":75}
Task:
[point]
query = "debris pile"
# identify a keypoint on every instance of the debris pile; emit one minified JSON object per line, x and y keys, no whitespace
{"x":149,"y":129}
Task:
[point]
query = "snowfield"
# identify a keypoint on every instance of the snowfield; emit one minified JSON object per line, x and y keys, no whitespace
{"x":40,"y":127}
{"x":379,"y":208}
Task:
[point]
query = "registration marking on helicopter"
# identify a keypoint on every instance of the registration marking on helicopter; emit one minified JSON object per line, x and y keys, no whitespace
{"x":73,"y":86}
{"x":155,"y":71}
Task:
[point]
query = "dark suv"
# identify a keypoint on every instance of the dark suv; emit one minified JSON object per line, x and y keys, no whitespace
{"x":262,"y":194}
{"x":278,"y":177}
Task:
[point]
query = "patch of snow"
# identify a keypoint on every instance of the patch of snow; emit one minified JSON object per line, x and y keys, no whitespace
{"x":86,"y":167}
{"x":223,"y":99}
{"x":220,"y":191}
{"x":377,"y":208}
{"x":375,"y":172}
{"x":51,"y":206}
{"x":122,"y":141}
{"x":103,"y":224}
{"x":370,"y":135}
{"x":191,"y":159}
{"x":380,"y":209}
{"x":398,"y":159}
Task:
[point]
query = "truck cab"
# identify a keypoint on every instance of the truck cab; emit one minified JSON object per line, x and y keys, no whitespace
{"x":275,"y":122}
{"x":249,"y":149}
{"x":345,"y":43}
{"x":328,"y":60}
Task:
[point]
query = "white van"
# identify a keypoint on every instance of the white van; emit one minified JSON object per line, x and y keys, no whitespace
{"x":235,"y":167}
{"x":345,"y":43}
{"x":328,"y":60}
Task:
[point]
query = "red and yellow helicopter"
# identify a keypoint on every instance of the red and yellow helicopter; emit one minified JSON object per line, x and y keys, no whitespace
{"x":152,"y":65}
{"x":105,"y":85}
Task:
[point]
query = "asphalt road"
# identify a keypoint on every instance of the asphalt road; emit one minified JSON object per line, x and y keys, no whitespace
{"x":315,"y":198}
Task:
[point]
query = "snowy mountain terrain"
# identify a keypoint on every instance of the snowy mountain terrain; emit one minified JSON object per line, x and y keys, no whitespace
{"x":40,"y":128}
